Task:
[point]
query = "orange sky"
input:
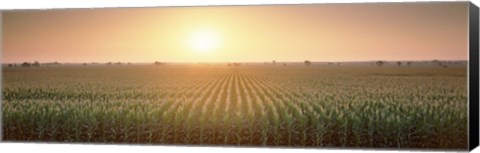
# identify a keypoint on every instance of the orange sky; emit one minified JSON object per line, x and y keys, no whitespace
{"x":321,"y":32}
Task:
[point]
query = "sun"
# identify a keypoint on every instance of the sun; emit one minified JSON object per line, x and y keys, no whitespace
{"x":204,"y":41}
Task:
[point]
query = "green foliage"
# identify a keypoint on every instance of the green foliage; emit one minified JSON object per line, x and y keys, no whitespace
{"x":415,"y":107}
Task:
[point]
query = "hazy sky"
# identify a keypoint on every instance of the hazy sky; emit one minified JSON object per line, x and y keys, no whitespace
{"x":322,"y":32}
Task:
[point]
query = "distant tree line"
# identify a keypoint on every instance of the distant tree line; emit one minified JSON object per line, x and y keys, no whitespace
{"x":379,"y":63}
{"x":28,"y":64}
{"x":433,"y":62}
{"x":33,"y":64}
{"x":234,"y":64}
{"x":157,"y":63}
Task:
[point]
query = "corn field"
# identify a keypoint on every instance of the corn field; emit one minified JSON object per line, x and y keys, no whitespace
{"x":250,"y":105}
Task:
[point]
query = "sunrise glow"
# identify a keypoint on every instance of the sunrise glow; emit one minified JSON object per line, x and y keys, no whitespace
{"x":238,"y":33}
{"x":203,"y":41}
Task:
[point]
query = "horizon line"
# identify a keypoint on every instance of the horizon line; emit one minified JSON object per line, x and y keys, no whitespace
{"x":270,"y":61}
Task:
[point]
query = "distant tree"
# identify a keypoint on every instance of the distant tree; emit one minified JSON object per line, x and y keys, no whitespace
{"x":273,"y":62}
{"x":409,"y":63}
{"x":10,"y":65}
{"x":284,"y":64}
{"x":109,"y":63}
{"x":439,"y":63}
{"x":158,"y":63}
{"x":118,"y":63}
{"x":26,"y":64}
{"x":84,"y":64}
{"x":307,"y":62}
{"x":379,"y":63}
{"x":399,"y":63}
{"x":36,"y":64}
{"x":234,"y":64}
